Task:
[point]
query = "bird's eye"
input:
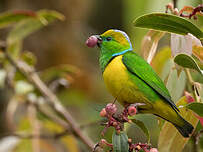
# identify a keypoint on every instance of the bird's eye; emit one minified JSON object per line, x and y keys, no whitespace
{"x":108,"y":38}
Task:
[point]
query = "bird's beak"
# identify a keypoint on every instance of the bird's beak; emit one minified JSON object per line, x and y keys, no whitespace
{"x":99,"y":40}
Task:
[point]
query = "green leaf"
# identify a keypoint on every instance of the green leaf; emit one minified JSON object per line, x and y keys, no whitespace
{"x":160,"y":59}
{"x":176,"y":84}
{"x":187,"y":61}
{"x":169,"y":23}
{"x":29,"y":58}
{"x":30,"y":25}
{"x":169,"y":135}
{"x":60,"y":71}
{"x":120,"y":142}
{"x":167,"y":67}
{"x":14,"y":48}
{"x":196,"y":107}
{"x":9,"y":18}
{"x":142,"y":126}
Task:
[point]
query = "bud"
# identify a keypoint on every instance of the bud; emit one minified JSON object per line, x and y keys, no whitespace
{"x":111,"y":108}
{"x":129,"y":140}
{"x":103,"y":112}
{"x":129,"y":121}
{"x":153,"y":150}
{"x":118,"y":131}
{"x":132,"y":110}
{"x":138,"y":147}
{"x":115,"y":124}
{"x":102,"y":143}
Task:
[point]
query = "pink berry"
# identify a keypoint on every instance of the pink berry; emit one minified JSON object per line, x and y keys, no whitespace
{"x":103,"y":113}
{"x":153,"y":150}
{"x":111,"y":108}
{"x":92,"y":41}
{"x":132,"y":111}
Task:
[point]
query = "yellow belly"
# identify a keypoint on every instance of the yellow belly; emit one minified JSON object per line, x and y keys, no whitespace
{"x":118,"y":82}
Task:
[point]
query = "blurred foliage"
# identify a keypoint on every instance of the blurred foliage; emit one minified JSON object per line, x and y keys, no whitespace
{"x":71,"y":70}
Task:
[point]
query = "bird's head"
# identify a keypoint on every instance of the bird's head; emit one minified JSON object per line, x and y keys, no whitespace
{"x":112,"y":42}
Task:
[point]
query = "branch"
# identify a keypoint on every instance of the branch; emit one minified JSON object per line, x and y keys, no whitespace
{"x":32,"y":76}
{"x":41,"y":136}
{"x":194,"y":85}
{"x":35,"y":127}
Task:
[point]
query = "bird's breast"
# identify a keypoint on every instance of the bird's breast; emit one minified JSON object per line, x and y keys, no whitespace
{"x":118,"y":82}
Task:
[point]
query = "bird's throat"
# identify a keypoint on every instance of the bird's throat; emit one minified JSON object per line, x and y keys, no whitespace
{"x":107,"y":56}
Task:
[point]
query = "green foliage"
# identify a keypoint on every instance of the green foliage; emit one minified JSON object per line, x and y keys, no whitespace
{"x":12,"y":17}
{"x":120,"y":142}
{"x":159,"y":61}
{"x":169,"y":23}
{"x":30,"y":25}
{"x":196,"y":107}
{"x":25,"y":23}
{"x":176,"y":84}
{"x":187,"y":61}
{"x":29,"y":58}
{"x":142,"y":126}
{"x":60,"y":71}
{"x":27,"y":26}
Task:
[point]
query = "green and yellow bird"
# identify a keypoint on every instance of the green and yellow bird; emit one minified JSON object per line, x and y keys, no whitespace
{"x":132,"y":80}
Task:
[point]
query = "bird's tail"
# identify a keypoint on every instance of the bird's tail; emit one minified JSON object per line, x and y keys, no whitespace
{"x":185,"y":128}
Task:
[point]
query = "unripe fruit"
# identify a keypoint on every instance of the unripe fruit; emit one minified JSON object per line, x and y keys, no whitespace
{"x":132,"y":110}
{"x":153,"y":150}
{"x":129,"y":121}
{"x":111,"y":108}
{"x":103,"y":112}
{"x":115,"y":123}
{"x":129,"y":140}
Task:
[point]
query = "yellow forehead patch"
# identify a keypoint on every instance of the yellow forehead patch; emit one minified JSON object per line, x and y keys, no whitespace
{"x":119,"y":36}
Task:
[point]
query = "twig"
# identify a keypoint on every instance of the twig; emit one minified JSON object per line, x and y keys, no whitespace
{"x":187,"y":71}
{"x":196,"y":137}
{"x":32,"y":76}
{"x":35,"y":127}
{"x":194,"y":85}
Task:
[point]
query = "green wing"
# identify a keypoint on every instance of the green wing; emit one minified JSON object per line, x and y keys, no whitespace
{"x":138,"y":66}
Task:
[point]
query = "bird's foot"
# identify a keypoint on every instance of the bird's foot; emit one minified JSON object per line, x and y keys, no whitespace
{"x":117,"y":120}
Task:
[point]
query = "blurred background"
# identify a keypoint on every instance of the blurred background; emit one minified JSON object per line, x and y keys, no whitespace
{"x":64,"y":43}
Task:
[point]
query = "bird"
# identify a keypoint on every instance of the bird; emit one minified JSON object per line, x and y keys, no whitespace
{"x":130,"y":79}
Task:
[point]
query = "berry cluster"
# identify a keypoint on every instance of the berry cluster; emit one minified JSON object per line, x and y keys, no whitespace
{"x":136,"y":147}
{"x":116,"y":121}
